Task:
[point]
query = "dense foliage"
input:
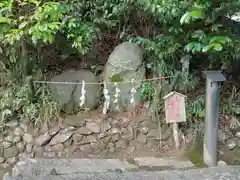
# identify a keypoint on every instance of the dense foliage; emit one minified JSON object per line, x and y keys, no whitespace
{"x":175,"y":34}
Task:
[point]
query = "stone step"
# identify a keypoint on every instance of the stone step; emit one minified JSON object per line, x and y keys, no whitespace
{"x":71,"y":166}
{"x":165,"y":163}
{"x":215,"y":173}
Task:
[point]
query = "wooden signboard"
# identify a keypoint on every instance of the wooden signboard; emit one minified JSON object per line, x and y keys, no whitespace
{"x":175,"y":112}
{"x":175,"y":107}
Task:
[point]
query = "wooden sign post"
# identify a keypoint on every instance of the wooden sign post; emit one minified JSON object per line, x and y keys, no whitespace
{"x":175,"y":112}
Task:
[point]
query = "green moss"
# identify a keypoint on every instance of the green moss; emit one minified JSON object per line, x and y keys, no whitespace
{"x":116,"y":78}
{"x":195,"y":154}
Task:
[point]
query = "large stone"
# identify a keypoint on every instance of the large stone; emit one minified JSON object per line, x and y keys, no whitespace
{"x":24,"y":127}
{"x":115,"y":137}
{"x":11,"y":152}
{"x":143,"y":130}
{"x":110,"y":145}
{"x":153,"y":134}
{"x":83,"y":131}
{"x":6,"y":144}
{"x":222,"y":164}
{"x":48,"y":148}
{"x":85,"y":140}
{"x":92,"y":139}
{"x":43,"y":139}
{"x":93,"y":127}
{"x":125,"y":64}
{"x":20,"y":146}
{"x":105,"y":125}
{"x":142,"y":138}
{"x":101,"y":135}
{"x":68,"y":143}
{"x":67,"y":129}
{"x":29,"y":148}
{"x":106,"y":139}
{"x":38,"y":150}
{"x":125,"y":122}
{"x":122,"y":144}
{"x":9,"y":138}
{"x":18,"y":132}
{"x":49,"y":154}
{"x":12,"y":123}
{"x":68,"y":95}
{"x":57,"y":148}
{"x":114,"y":131}
{"x":12,"y":160}
{"x":77,"y":138}
{"x":86,"y":149}
{"x":60,"y":138}
{"x":28,"y":138}
{"x":17,"y":139}
{"x":100,"y":145}
{"x":53,"y":131}
{"x":23,"y":157}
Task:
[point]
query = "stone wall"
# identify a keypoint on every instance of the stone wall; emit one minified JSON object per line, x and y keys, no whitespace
{"x":82,"y":138}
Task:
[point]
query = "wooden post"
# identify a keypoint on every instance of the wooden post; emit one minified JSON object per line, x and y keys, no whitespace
{"x":175,"y":125}
{"x":176,"y":135}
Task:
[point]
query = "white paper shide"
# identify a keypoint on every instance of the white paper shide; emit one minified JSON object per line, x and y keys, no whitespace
{"x":132,"y":95}
{"x":116,"y":95}
{"x":83,"y":94}
{"x":107,"y":99}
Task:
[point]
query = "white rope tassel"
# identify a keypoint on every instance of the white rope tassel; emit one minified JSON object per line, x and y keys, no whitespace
{"x":116,"y":95}
{"x":107,"y":99}
{"x":83,"y":92}
{"x":133,"y":91}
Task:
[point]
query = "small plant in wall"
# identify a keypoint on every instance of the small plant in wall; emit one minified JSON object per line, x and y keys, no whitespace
{"x":96,"y":69}
{"x":147,"y":91}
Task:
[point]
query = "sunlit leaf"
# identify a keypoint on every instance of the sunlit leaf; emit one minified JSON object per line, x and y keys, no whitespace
{"x":207,"y":48}
{"x":197,"y":14}
{"x":5,"y":20}
{"x":215,"y":47}
{"x":192,"y":15}
{"x":218,"y":47}
{"x":220,"y":39}
{"x":185,"y":18}
{"x":193,"y":47}
{"x":199,"y":34}
{"x":23,"y":25}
